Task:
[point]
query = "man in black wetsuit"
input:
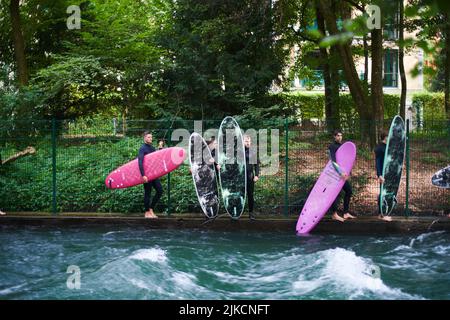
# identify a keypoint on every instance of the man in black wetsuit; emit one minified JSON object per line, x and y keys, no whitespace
{"x":252,"y":166}
{"x":347,"y":186}
{"x":380,"y":151}
{"x":147,"y":148}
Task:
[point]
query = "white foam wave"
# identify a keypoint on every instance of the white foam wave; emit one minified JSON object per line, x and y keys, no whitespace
{"x":153,"y":254}
{"x":424,"y":236}
{"x":12,"y":289}
{"x":184,"y":280}
{"x":349,"y":275}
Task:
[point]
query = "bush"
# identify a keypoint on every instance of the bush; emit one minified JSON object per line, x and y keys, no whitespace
{"x":429,"y":106}
{"x":309,"y":106}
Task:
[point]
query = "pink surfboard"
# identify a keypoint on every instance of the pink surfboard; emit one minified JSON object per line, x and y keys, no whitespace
{"x":156,"y":164}
{"x":326,"y":189}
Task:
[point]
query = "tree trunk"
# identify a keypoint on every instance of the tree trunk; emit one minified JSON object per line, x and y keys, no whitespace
{"x":366,"y":61}
{"x":376,"y":83}
{"x":356,"y":89}
{"x":18,"y":42}
{"x":335,"y":85}
{"x":447,"y":67}
{"x":331,"y":118}
{"x":401,"y":65}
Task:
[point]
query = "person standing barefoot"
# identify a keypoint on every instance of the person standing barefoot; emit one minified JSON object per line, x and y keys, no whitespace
{"x":380,"y":151}
{"x":145,"y":149}
{"x":347,"y":186}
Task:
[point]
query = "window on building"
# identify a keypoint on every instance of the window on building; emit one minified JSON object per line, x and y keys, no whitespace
{"x":391,"y":20}
{"x":390,"y":68}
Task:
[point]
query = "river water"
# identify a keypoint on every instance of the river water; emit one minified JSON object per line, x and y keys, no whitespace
{"x":122,"y":262}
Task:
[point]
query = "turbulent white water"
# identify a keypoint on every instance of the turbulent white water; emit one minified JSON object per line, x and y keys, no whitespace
{"x":169,"y":264}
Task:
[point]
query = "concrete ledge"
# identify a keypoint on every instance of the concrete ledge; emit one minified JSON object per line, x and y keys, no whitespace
{"x":362,"y":225}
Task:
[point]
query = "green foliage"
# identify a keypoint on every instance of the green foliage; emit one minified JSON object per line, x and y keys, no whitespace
{"x":73,"y":86}
{"x":222,"y":58}
{"x":312,"y":106}
{"x":429,"y":106}
{"x":306,"y":106}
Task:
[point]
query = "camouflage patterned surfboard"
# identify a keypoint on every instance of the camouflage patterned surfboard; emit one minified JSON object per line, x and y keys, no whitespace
{"x":393,"y":164}
{"x":232,"y":173}
{"x":441,"y":178}
{"x":204,"y":175}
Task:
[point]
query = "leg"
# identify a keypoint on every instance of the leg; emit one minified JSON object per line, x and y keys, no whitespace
{"x":251,"y":199}
{"x":380,"y":215}
{"x":159,"y":191}
{"x":348,"y":194}
{"x":147,"y":194}
{"x":334,"y":208}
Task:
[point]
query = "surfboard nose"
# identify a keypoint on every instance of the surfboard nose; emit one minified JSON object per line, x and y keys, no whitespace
{"x":108,"y":182}
{"x":178,"y":155}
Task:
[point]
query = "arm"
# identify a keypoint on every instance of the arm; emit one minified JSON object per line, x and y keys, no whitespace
{"x":332,"y":157}
{"x":257,"y":169}
{"x":141,"y":161}
{"x":332,"y":153}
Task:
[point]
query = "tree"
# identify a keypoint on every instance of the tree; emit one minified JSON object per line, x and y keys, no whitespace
{"x":356,"y":88}
{"x":18,"y":42}
{"x":430,"y":19}
{"x":331,"y":79}
{"x":222,"y":56}
{"x":401,"y":63}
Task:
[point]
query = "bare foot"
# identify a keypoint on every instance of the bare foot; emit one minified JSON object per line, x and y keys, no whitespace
{"x":336,"y":217}
{"x":349,"y":216}
{"x":385,"y":218}
{"x":152,"y":214}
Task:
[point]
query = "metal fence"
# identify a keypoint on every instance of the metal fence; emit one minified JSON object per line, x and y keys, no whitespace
{"x":72,"y":159}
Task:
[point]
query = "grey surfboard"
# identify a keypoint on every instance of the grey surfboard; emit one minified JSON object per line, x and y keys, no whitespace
{"x":232,"y":173}
{"x":393,"y":165}
{"x":203,"y":175}
{"x":441,"y":178}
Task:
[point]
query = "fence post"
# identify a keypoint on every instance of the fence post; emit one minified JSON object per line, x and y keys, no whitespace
{"x":407,"y":213}
{"x":286,"y":183}
{"x":114,"y":127}
{"x":54,"y":166}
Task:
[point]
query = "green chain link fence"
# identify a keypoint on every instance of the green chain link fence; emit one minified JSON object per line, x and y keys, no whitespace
{"x":72,"y":159}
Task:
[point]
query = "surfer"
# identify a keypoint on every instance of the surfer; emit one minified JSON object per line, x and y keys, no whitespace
{"x":252,"y":164}
{"x":380,"y":151}
{"x":347,"y":186}
{"x":212,"y":145}
{"x":161,"y":144}
{"x":145,"y":149}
